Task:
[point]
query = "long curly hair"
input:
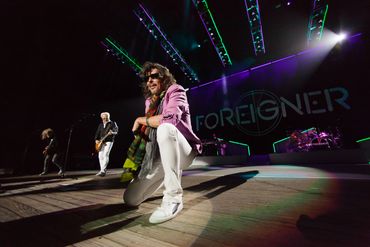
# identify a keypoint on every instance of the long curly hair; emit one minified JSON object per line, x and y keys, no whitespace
{"x":167,"y":78}
{"x":47,"y":133}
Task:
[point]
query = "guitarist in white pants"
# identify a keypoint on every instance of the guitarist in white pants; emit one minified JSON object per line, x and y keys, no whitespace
{"x":104,"y":138}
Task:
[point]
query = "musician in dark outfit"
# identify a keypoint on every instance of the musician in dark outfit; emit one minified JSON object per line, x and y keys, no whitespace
{"x":51,"y":151}
{"x":104,"y":135}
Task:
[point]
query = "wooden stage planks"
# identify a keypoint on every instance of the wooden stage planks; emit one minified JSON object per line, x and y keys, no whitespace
{"x":237,"y":206}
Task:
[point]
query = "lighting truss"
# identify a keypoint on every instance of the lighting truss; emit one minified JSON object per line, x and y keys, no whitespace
{"x":148,"y":20}
{"x":254,"y":18}
{"x":309,"y":50}
{"x":212,"y":30}
{"x":317,"y":21}
{"x":121,"y":54}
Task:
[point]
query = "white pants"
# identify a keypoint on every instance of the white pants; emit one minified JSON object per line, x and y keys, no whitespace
{"x":175,"y":155}
{"x":104,"y":156}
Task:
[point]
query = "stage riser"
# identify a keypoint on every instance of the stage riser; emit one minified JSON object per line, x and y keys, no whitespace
{"x":352,"y":156}
{"x":365,"y":146}
{"x":344,"y":156}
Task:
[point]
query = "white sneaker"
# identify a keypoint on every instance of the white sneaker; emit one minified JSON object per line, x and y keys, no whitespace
{"x":100,"y":174}
{"x":166,"y":211}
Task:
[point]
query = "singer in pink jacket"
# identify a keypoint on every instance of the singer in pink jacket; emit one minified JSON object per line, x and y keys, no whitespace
{"x":172,"y":144}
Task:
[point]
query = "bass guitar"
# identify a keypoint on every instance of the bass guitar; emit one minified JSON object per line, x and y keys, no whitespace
{"x":99,"y":144}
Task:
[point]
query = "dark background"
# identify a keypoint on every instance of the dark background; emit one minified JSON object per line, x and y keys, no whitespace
{"x":56,"y":74}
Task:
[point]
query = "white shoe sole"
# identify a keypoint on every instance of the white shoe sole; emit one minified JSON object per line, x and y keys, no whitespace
{"x":154,"y":220}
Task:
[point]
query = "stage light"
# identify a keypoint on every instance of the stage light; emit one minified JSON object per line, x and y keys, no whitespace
{"x":340,"y":37}
{"x":333,"y":39}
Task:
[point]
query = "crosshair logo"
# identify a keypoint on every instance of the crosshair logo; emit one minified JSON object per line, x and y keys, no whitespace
{"x":257,"y":112}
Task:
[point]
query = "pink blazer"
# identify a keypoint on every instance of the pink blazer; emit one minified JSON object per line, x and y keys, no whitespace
{"x":176,"y":111}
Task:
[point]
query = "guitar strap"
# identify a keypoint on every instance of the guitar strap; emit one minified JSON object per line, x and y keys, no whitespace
{"x":109,"y":127}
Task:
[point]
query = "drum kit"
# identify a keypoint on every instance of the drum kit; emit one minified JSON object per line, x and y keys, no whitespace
{"x":214,"y":146}
{"x":314,"y":140}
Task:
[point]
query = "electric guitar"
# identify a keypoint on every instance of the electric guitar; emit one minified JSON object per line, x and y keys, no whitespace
{"x":99,"y":144}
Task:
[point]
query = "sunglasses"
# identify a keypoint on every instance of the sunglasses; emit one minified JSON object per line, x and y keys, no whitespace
{"x":153,"y":76}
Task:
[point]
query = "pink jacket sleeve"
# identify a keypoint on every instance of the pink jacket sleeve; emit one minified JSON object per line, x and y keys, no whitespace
{"x":174,"y":105}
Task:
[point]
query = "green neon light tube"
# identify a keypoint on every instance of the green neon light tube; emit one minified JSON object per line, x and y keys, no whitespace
{"x":363,"y":140}
{"x":238,"y":143}
{"x":323,"y":21}
{"x":124,"y":53}
{"x":218,"y":33}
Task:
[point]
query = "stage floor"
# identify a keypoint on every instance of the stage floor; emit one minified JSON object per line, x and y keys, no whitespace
{"x":281,"y":205}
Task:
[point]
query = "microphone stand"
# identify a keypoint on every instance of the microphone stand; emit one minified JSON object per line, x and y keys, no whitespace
{"x":25,"y":152}
{"x":85,"y":116}
{"x":68,"y":146}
